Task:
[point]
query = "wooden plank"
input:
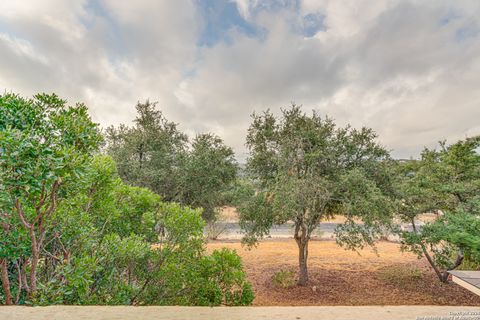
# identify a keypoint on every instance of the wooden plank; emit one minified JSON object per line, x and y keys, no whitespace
{"x":466,"y":285}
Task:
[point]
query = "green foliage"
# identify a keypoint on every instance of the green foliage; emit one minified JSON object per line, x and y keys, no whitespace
{"x":42,"y":142}
{"x":113,"y":206}
{"x":155,"y":154}
{"x":72,"y":232}
{"x":445,"y":181}
{"x":239,"y":192}
{"x":364,"y":199}
{"x":115,"y":263}
{"x":284,"y":279}
{"x":44,"y":146}
{"x":256,"y":218}
{"x":151,"y":153}
{"x":469,"y":264}
{"x":210,"y":168}
{"x":97,"y":275}
{"x":222,"y":281}
{"x":308,"y":169}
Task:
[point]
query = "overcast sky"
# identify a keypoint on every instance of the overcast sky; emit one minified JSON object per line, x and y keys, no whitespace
{"x":408,"y":69}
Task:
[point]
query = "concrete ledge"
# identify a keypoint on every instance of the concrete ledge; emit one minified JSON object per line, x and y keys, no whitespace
{"x":470,"y":280}
{"x":243,"y":313}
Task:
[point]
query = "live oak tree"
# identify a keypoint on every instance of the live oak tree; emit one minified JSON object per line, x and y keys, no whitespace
{"x":151,"y":153}
{"x":43,"y":146}
{"x":155,"y":154}
{"x":210,"y":168}
{"x":445,"y":182}
{"x":307,"y":169}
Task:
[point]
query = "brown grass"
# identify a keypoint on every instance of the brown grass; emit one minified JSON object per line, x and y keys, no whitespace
{"x":339,"y":277}
{"x":230,"y":214}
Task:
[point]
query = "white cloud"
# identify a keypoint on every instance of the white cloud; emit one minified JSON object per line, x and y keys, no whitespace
{"x":409,"y":69}
{"x":22,"y":48}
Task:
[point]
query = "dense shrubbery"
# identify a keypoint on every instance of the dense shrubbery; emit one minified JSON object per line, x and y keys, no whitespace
{"x":44,"y":146}
{"x":123,"y":267}
{"x":74,"y":233}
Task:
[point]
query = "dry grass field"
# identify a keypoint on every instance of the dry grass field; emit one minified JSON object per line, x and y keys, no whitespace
{"x":339,"y":277}
{"x":230,"y":214}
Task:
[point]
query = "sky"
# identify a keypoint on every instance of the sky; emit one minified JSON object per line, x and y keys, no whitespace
{"x":408,"y":69}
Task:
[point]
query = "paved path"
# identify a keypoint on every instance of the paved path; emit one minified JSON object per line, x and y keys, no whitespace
{"x":325,"y":231}
{"x":239,"y":313}
{"x":233,"y":231}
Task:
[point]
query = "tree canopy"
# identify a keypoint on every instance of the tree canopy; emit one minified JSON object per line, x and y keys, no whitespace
{"x":44,"y":145}
{"x":151,"y":153}
{"x":210,"y":168}
{"x":155,"y":154}
{"x":307,"y":170}
{"x":447,"y":182}
{"x":127,"y":226}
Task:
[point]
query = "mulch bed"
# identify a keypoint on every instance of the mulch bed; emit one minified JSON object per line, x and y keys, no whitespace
{"x":339,"y":277}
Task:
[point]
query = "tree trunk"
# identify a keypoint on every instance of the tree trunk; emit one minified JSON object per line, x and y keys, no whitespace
{"x":33,"y":265}
{"x":19,"y":279}
{"x":23,"y":269}
{"x":441,"y":274}
{"x":6,"y":282}
{"x":34,"y":245}
{"x":444,"y":277}
{"x":302,"y":261}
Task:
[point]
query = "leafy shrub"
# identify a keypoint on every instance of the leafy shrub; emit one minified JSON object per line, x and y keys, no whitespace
{"x":45,"y":146}
{"x":113,"y":270}
{"x":71,"y":232}
{"x":469,"y":263}
{"x":222,"y":281}
{"x":447,"y":181}
{"x":284,"y":279}
{"x":112,"y":244}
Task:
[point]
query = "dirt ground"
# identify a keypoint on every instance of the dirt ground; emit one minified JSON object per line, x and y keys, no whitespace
{"x":340,"y":277}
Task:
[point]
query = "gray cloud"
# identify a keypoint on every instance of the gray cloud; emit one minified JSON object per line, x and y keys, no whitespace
{"x":409,"y":69}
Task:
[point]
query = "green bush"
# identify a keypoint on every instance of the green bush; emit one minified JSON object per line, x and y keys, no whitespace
{"x":284,"y":279}
{"x":71,"y":232}
{"x":117,"y":271}
{"x":469,"y":263}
